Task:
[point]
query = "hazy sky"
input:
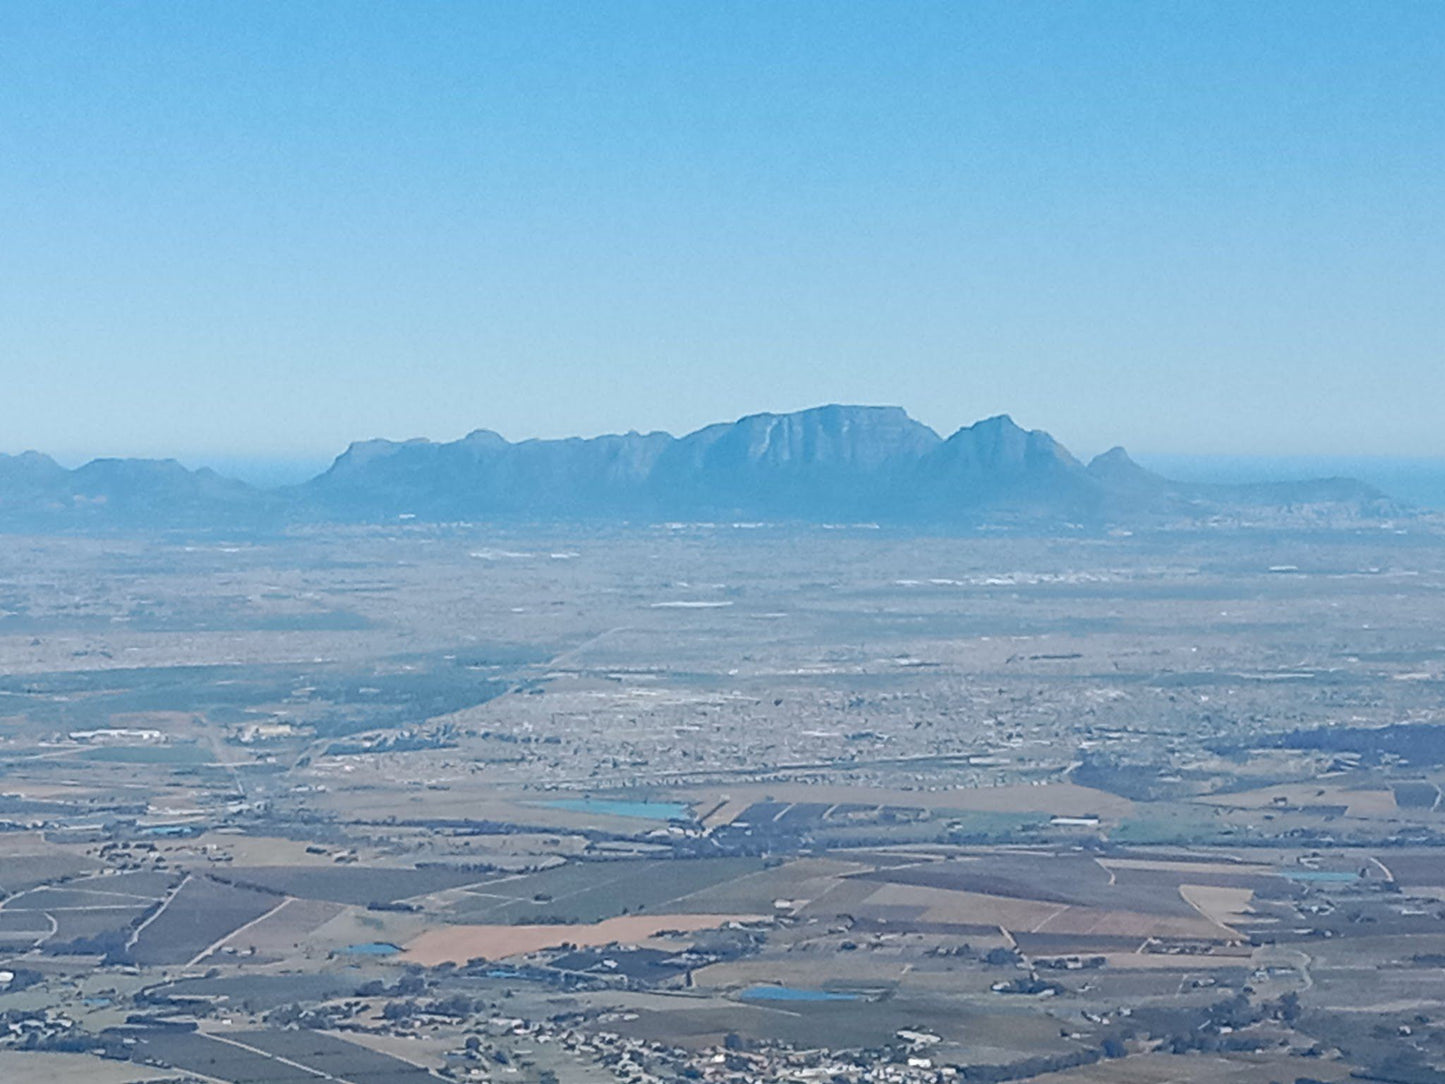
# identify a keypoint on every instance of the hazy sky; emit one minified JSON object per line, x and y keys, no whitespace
{"x":259,"y":228}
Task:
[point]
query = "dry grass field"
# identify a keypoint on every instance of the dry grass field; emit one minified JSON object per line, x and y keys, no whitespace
{"x":280,"y":932}
{"x":1358,"y":802}
{"x":1198,"y":1069}
{"x":458,"y":944}
{"x":33,"y":1068}
{"x":904,"y":903}
{"x":1052,"y":799}
{"x":1221,"y":905}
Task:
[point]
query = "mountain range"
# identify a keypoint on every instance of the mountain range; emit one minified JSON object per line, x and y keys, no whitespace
{"x":831,"y":464}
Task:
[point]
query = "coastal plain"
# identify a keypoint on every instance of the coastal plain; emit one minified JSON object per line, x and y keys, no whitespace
{"x":723,"y":801}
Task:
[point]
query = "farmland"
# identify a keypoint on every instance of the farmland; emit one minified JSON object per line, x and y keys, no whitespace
{"x":356,"y":803}
{"x":200,"y":912}
{"x":459,"y":943}
{"x":578,"y":892}
{"x":278,"y":1057}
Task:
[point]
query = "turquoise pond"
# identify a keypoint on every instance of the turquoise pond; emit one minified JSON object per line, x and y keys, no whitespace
{"x":372,"y":948}
{"x":789,"y":993}
{"x":652,"y":811}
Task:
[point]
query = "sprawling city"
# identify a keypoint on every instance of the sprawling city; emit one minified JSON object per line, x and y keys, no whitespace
{"x":722,"y":541}
{"x":724,"y":802}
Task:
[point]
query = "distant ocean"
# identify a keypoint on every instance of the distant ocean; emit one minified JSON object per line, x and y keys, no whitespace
{"x":260,"y":472}
{"x":1419,"y":482}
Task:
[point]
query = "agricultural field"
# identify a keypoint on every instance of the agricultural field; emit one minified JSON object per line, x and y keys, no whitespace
{"x":358,"y":885}
{"x":34,"y":1068}
{"x":278,"y":1057}
{"x":580,"y":892}
{"x":360,"y":804}
{"x":194,"y":919}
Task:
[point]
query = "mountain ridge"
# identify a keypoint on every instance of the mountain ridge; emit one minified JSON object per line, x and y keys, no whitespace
{"x":829,"y":463}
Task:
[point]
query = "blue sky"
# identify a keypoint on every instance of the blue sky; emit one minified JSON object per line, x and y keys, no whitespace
{"x":265,"y":229}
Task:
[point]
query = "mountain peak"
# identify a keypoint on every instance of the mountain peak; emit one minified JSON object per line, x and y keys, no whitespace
{"x":831,"y":463}
{"x":1115,"y":468}
{"x":485,"y":438}
{"x":996,"y":421}
{"x":1116,"y":454}
{"x":1116,"y":461}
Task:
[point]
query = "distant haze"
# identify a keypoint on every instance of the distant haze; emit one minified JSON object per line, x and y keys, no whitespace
{"x":1415,"y":481}
{"x":1420,"y":482}
{"x":264,"y":473}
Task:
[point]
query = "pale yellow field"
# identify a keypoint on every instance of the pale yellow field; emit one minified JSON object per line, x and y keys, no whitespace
{"x":1198,"y":1069}
{"x":1055,"y":799}
{"x":947,"y":905}
{"x":169,"y":721}
{"x":1358,"y":803}
{"x":820,"y":970}
{"x":1224,"y":906}
{"x":1033,"y":916}
{"x":21,"y":788}
{"x":728,"y":811}
{"x":32,"y":1068}
{"x":1202,"y":868}
{"x":262,"y":850}
{"x":356,"y":924}
{"x":458,"y":944}
{"x":284,"y":930}
{"x":1182,"y":964}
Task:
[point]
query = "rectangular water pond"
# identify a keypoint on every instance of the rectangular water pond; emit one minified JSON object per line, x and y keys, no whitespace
{"x":789,"y":993}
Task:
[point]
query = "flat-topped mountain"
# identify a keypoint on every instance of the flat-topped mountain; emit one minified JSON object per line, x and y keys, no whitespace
{"x":827,"y":464}
{"x":831,"y":463}
{"x":828,"y":461}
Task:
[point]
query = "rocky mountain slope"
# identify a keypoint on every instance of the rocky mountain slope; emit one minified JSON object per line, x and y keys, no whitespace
{"x":827,"y":464}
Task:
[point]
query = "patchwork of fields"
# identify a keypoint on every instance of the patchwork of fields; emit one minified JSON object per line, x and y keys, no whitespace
{"x":361,"y":806}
